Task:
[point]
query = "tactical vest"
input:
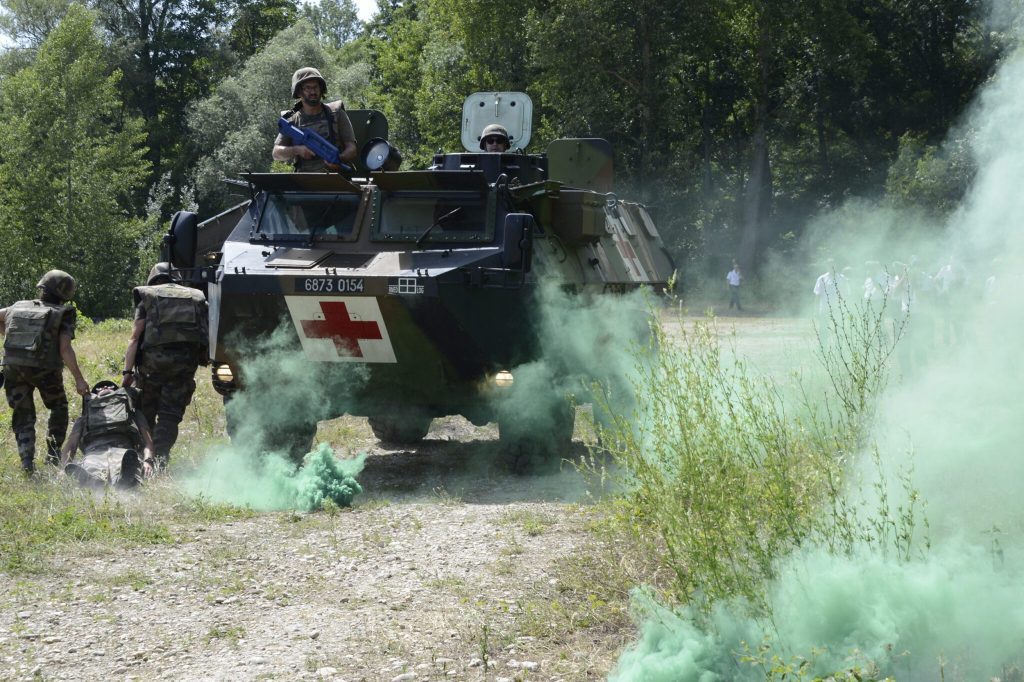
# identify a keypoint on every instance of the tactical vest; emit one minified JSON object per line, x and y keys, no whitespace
{"x":174,"y":314}
{"x":110,"y":414}
{"x":33,"y":334}
{"x":295,"y":117}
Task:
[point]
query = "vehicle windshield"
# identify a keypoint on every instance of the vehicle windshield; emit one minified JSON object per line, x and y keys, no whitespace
{"x":455,"y":215}
{"x":309,"y":214}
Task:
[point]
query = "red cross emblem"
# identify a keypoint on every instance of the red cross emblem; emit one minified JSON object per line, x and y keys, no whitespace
{"x":339,"y":327}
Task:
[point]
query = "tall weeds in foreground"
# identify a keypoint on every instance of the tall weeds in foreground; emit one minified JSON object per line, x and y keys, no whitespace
{"x":723,"y":478}
{"x":714,"y":471}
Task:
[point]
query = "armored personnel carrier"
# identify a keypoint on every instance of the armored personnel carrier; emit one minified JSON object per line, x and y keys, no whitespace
{"x":429,"y":279}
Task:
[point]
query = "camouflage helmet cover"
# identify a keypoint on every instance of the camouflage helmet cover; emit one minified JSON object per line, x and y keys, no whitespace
{"x":160,"y":270}
{"x":304,"y":74}
{"x":494,"y":129}
{"x":58,"y":283}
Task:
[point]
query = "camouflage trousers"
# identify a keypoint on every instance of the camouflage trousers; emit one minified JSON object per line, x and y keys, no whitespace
{"x":19,"y":385}
{"x":100,"y":466}
{"x":166,"y":381}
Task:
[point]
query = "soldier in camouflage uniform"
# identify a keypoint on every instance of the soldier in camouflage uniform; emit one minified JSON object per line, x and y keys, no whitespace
{"x":37,"y":346}
{"x":169,"y":341}
{"x":111,"y":433}
{"x":328,"y":120}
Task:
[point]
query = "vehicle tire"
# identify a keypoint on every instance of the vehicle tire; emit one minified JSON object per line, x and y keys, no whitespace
{"x":402,"y":430}
{"x":528,"y":446}
{"x":294,"y":441}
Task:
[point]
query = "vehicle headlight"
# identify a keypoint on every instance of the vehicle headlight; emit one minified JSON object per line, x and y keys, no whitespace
{"x":224,"y":374}
{"x":503,"y":379}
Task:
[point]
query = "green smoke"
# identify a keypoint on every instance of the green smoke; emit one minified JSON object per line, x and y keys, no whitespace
{"x":271,"y":421}
{"x":583,"y":339}
{"x":953,"y":416}
{"x":270,"y":481}
{"x":838,"y":613}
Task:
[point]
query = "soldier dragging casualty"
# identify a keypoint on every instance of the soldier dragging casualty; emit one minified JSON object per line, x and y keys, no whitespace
{"x":37,"y":346}
{"x":169,"y":341}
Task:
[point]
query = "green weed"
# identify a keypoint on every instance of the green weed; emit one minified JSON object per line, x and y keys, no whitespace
{"x":723,"y":476}
{"x":40,"y":516}
{"x":230,"y":634}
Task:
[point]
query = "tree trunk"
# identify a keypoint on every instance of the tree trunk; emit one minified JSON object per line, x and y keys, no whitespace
{"x":757,"y":195}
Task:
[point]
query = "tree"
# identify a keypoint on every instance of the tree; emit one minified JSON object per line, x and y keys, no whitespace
{"x":335,"y":22}
{"x":28,"y":22}
{"x":70,"y":167}
{"x":256,"y":23}
{"x":169,"y":54}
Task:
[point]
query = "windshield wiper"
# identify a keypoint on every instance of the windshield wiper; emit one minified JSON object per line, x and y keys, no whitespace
{"x":426,"y":232}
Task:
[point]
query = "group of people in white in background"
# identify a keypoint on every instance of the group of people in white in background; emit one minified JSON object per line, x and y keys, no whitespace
{"x":936,"y":298}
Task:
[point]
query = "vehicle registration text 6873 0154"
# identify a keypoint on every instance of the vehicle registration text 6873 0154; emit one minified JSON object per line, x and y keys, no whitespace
{"x":329,"y":285}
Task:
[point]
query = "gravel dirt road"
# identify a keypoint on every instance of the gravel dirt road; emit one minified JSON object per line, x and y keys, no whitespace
{"x":446,"y":568}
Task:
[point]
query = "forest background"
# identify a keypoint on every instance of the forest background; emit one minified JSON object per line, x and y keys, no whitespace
{"x":736,"y":121}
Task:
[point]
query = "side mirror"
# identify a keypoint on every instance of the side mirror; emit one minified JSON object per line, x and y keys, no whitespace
{"x":179,"y":246}
{"x":517,"y":243}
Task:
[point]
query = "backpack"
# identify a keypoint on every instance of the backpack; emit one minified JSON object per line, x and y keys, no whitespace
{"x":32,"y":332}
{"x":174,"y":314}
{"x":110,"y":413}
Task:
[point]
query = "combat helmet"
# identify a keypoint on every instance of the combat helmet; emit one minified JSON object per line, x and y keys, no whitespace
{"x":59,"y":284}
{"x":103,"y":384}
{"x":494,"y":129}
{"x":304,"y":74}
{"x":159,"y":271}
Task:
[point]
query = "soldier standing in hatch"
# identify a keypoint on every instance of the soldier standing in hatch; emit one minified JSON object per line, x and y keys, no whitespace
{"x":328,"y":120}
{"x":37,"y":346}
{"x":169,"y":341}
{"x":494,"y":139}
{"x":111,"y":433}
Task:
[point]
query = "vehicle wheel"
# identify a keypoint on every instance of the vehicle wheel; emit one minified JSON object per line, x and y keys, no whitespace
{"x":295,"y":440}
{"x":402,"y":430}
{"x":530,"y":445}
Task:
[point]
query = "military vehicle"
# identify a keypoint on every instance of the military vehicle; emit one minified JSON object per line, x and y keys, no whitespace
{"x":428,"y":277}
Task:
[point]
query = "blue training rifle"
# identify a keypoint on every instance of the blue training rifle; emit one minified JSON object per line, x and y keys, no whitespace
{"x":317,"y":144}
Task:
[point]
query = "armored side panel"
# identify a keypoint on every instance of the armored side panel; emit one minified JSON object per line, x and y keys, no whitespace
{"x":585,"y":163}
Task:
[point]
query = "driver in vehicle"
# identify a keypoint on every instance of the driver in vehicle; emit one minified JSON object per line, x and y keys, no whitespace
{"x":494,"y":139}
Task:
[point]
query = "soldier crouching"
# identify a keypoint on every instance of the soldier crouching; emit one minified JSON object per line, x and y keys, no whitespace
{"x":111,"y":433}
{"x":37,"y":346}
{"x":169,"y":341}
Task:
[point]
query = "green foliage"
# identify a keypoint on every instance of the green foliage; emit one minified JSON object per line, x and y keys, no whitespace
{"x":723,"y":475}
{"x":256,"y":23}
{"x":29,"y":22}
{"x":713,"y":470}
{"x":170,"y":54}
{"x":70,"y":166}
{"x":37,"y":519}
{"x":335,"y":22}
{"x":929,"y":176}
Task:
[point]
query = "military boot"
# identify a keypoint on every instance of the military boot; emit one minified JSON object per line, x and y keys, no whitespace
{"x":26,"y":439}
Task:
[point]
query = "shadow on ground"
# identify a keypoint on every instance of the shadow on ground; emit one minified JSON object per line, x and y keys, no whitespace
{"x":470,"y":471}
